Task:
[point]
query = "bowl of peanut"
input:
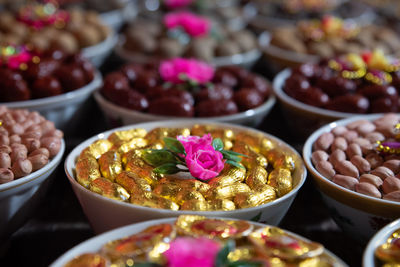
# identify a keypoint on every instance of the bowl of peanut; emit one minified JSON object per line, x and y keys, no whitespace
{"x":355,"y":164}
{"x":30,"y":150}
{"x":165,"y":169}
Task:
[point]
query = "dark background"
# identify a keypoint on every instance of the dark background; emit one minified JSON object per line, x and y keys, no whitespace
{"x":58,"y":223}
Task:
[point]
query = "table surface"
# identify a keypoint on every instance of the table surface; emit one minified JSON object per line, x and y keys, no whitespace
{"x":59,"y":223}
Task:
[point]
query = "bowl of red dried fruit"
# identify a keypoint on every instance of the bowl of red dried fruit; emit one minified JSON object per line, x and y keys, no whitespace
{"x":54,"y":83}
{"x":184,"y":88}
{"x":315,"y":94}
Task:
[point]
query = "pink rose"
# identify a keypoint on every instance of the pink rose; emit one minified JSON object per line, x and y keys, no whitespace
{"x":192,"y":24}
{"x":192,"y":252}
{"x":177,"y":3}
{"x":179,"y":70}
{"x":202,"y":160}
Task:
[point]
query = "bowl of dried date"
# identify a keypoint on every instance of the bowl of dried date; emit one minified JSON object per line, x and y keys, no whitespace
{"x":355,"y":163}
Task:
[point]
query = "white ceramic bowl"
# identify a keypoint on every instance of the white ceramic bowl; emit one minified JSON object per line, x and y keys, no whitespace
{"x":117,"y":17}
{"x":98,"y":53}
{"x":245,"y":60}
{"x":357,"y":214}
{"x":300,"y":116}
{"x":19,"y":198}
{"x":118,"y":116}
{"x":105,"y":214}
{"x":60,"y":109}
{"x":379,"y":238}
{"x":94,"y":244}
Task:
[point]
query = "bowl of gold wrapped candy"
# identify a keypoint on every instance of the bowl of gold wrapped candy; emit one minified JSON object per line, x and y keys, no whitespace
{"x":168,"y":168}
{"x":30,"y":150}
{"x":192,"y":240}
{"x":355,"y":163}
{"x":383,"y":248}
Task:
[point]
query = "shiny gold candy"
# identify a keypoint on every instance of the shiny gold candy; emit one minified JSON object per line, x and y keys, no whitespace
{"x":263,"y":195}
{"x":97,"y":148}
{"x":281,"y":179}
{"x":134,"y":154}
{"x":132,"y":182}
{"x":138,"y":244}
{"x":228,"y":176}
{"x":389,"y":252}
{"x":142,"y":169}
{"x":110,"y":164}
{"x":194,"y":225}
{"x":226,"y":135}
{"x":158,"y":134}
{"x":87,"y":170}
{"x":256,"y":177}
{"x":279,"y":159}
{"x":220,"y":204}
{"x":168,"y":190}
{"x":227,"y":191}
{"x":186,"y":195}
{"x":274,"y":242}
{"x":108,"y":189}
{"x":151,"y":200}
{"x":134,"y":143}
{"x":120,"y":137}
{"x":156,"y":254}
{"x":195,"y":205}
{"x":89,"y":260}
{"x":315,"y":262}
{"x":242,"y":253}
{"x":253,"y":158}
{"x":250,"y":139}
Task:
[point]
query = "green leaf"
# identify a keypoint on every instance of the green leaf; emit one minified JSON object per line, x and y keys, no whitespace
{"x":235,"y":153}
{"x":168,"y":168}
{"x":234,"y":163}
{"x":244,"y":264}
{"x":174,"y":145}
{"x":228,"y":156}
{"x":217,"y":144}
{"x":222,"y":256}
{"x":159,"y":157}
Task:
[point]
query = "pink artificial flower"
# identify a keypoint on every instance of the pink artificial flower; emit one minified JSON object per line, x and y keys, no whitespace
{"x":192,"y":252}
{"x":178,"y":70}
{"x":202,"y":160}
{"x":192,"y":24}
{"x":177,"y":3}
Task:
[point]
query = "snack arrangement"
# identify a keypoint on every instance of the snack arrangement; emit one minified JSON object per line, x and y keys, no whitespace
{"x":201,"y":168}
{"x":27,"y":74}
{"x":185,"y":88}
{"x":185,"y":34}
{"x":352,"y":83}
{"x":362,"y":156}
{"x":200,"y":241}
{"x":45,"y":26}
{"x":388,"y":253}
{"x":27,"y":143}
{"x":332,"y":36}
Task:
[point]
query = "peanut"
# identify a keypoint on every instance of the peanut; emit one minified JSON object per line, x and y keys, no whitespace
{"x":394,"y":196}
{"x":347,"y":168}
{"x":339,"y":143}
{"x":5,"y":149}
{"x":31,"y":144}
{"x":325,"y":168}
{"x":6,"y":175}
{"x":15,"y":138}
{"x":41,"y":150}
{"x":18,"y":151}
{"x":393,"y":164}
{"x":47,"y":126}
{"x":38,"y":161}
{"x":15,"y":129}
{"x":374,"y":160}
{"x":391,"y":184}
{"x":53,"y":144}
{"x":5,"y":160}
{"x":368,"y":189}
{"x":345,"y":181}
{"x":32,"y":134}
{"x":382,"y":172}
{"x":353,"y":150}
{"x":21,"y":167}
{"x":4,"y":140}
{"x":362,"y":164}
{"x":372,"y":179}
{"x":350,"y":135}
{"x":55,"y":133}
{"x":365,"y":128}
{"x":339,"y":130}
{"x":375,"y":136}
{"x":337,"y":156}
{"x":364,"y":144}
{"x":324,"y":141}
{"x":319,"y":155}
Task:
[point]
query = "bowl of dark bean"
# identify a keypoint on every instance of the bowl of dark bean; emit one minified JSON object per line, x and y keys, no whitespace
{"x":54,"y":83}
{"x":184,"y":88}
{"x":315,"y":94}
{"x":355,"y":163}
{"x":30,"y":150}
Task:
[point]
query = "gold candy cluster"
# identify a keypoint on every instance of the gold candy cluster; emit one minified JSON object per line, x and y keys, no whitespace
{"x":114,"y":168}
{"x":268,"y":246}
{"x":388,"y":254}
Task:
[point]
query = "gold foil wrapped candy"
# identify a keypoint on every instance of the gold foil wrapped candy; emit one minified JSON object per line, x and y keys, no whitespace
{"x":265,"y":173}
{"x":389,"y":252}
{"x":248,"y":243}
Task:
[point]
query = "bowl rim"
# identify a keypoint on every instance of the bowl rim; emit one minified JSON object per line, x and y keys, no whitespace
{"x":87,"y":89}
{"x":237,"y":59}
{"x":277,"y":86}
{"x":269,"y":103}
{"x":182,"y":122}
{"x":107,"y":44}
{"x":368,"y":259}
{"x":307,"y":151}
{"x":89,"y":245}
{"x":36,"y":174}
